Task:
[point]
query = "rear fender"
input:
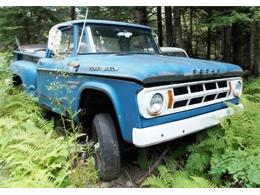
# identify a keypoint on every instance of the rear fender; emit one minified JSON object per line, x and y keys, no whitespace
{"x":27,"y":72}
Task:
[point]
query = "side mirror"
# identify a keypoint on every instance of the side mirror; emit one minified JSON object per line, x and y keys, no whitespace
{"x":54,"y":40}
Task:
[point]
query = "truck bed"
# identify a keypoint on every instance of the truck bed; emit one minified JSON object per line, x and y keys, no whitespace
{"x":30,"y":52}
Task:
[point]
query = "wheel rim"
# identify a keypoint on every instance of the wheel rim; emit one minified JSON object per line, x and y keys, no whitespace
{"x":97,"y":157}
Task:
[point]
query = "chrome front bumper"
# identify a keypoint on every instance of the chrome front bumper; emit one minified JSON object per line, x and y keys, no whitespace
{"x":161,"y":133}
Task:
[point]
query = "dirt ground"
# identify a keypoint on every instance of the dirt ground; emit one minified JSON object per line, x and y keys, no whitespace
{"x":130,"y":174}
{"x":131,"y":171}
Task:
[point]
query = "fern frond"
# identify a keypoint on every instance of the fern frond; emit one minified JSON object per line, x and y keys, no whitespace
{"x":155,"y":182}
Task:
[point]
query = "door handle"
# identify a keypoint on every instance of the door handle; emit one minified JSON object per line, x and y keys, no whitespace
{"x":74,"y":65}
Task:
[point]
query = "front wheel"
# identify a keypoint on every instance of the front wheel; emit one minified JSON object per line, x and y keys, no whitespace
{"x":107,"y":154}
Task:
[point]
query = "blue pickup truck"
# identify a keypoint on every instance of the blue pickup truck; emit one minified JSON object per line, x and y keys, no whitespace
{"x":113,"y":75}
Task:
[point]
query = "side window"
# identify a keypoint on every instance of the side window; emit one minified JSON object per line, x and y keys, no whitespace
{"x":66,"y":44}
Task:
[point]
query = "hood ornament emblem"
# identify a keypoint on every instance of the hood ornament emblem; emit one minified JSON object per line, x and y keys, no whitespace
{"x":206,"y":71}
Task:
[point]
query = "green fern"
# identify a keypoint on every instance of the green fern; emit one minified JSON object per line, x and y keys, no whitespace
{"x":155,"y":182}
{"x":143,"y":159}
{"x":32,"y":155}
{"x":179,"y":179}
{"x":198,"y":163}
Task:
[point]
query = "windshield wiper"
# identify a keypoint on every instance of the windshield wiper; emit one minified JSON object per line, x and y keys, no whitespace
{"x":145,"y":52}
{"x":130,"y":53}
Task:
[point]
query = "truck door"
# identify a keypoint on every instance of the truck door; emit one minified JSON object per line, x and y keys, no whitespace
{"x":54,"y":73}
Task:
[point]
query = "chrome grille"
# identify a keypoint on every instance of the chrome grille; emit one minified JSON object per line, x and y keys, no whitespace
{"x":196,"y":94}
{"x":181,"y":97}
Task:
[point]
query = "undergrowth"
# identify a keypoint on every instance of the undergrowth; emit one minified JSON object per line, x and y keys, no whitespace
{"x":224,"y":156}
{"x":31,"y":153}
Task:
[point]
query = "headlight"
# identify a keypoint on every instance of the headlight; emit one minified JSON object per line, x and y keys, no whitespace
{"x":238,"y":89}
{"x":156,"y":103}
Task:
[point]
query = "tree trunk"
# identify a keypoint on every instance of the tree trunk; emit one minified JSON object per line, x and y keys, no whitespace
{"x":196,"y":39}
{"x":216,"y":49}
{"x":245,"y":49}
{"x":27,"y":31}
{"x":190,"y":52}
{"x":169,"y":27}
{"x":73,"y":13}
{"x":141,"y":15}
{"x":209,"y":35}
{"x":185,"y":29}
{"x":255,"y":48}
{"x":209,"y":43}
{"x":227,"y":44}
{"x":159,"y":26}
{"x":177,"y":26}
{"x":236,"y":44}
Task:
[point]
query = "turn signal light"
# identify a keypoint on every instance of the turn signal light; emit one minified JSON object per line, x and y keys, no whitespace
{"x":229,"y":88}
{"x":170,"y":98}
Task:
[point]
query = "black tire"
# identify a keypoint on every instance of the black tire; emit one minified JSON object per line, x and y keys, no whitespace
{"x":107,"y":154}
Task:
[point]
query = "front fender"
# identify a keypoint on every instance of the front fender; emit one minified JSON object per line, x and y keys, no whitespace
{"x":123,"y":96}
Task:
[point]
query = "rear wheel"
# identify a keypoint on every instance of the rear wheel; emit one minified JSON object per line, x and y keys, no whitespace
{"x":17,"y":82}
{"x":107,"y":154}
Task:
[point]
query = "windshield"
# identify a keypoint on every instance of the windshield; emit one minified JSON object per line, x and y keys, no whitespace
{"x":116,"y":39}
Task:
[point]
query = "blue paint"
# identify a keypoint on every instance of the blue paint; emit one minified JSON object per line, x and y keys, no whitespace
{"x":75,"y":39}
{"x":126,"y":107}
{"x":125,"y":103}
{"x":121,"y":86}
{"x":27,"y":72}
{"x":151,"y":65}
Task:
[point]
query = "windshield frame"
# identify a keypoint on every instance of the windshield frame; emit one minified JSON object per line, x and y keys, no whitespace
{"x":90,"y":40}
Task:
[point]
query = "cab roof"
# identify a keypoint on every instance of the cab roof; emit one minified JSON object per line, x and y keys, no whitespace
{"x":106,"y":22}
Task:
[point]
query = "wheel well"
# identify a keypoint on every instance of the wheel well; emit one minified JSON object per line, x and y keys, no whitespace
{"x":93,"y":102}
{"x":17,"y":80}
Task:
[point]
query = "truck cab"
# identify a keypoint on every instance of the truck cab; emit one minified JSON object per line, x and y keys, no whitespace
{"x":112,"y":76}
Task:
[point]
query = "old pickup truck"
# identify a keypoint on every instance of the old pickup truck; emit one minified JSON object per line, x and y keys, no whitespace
{"x":125,"y":90}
